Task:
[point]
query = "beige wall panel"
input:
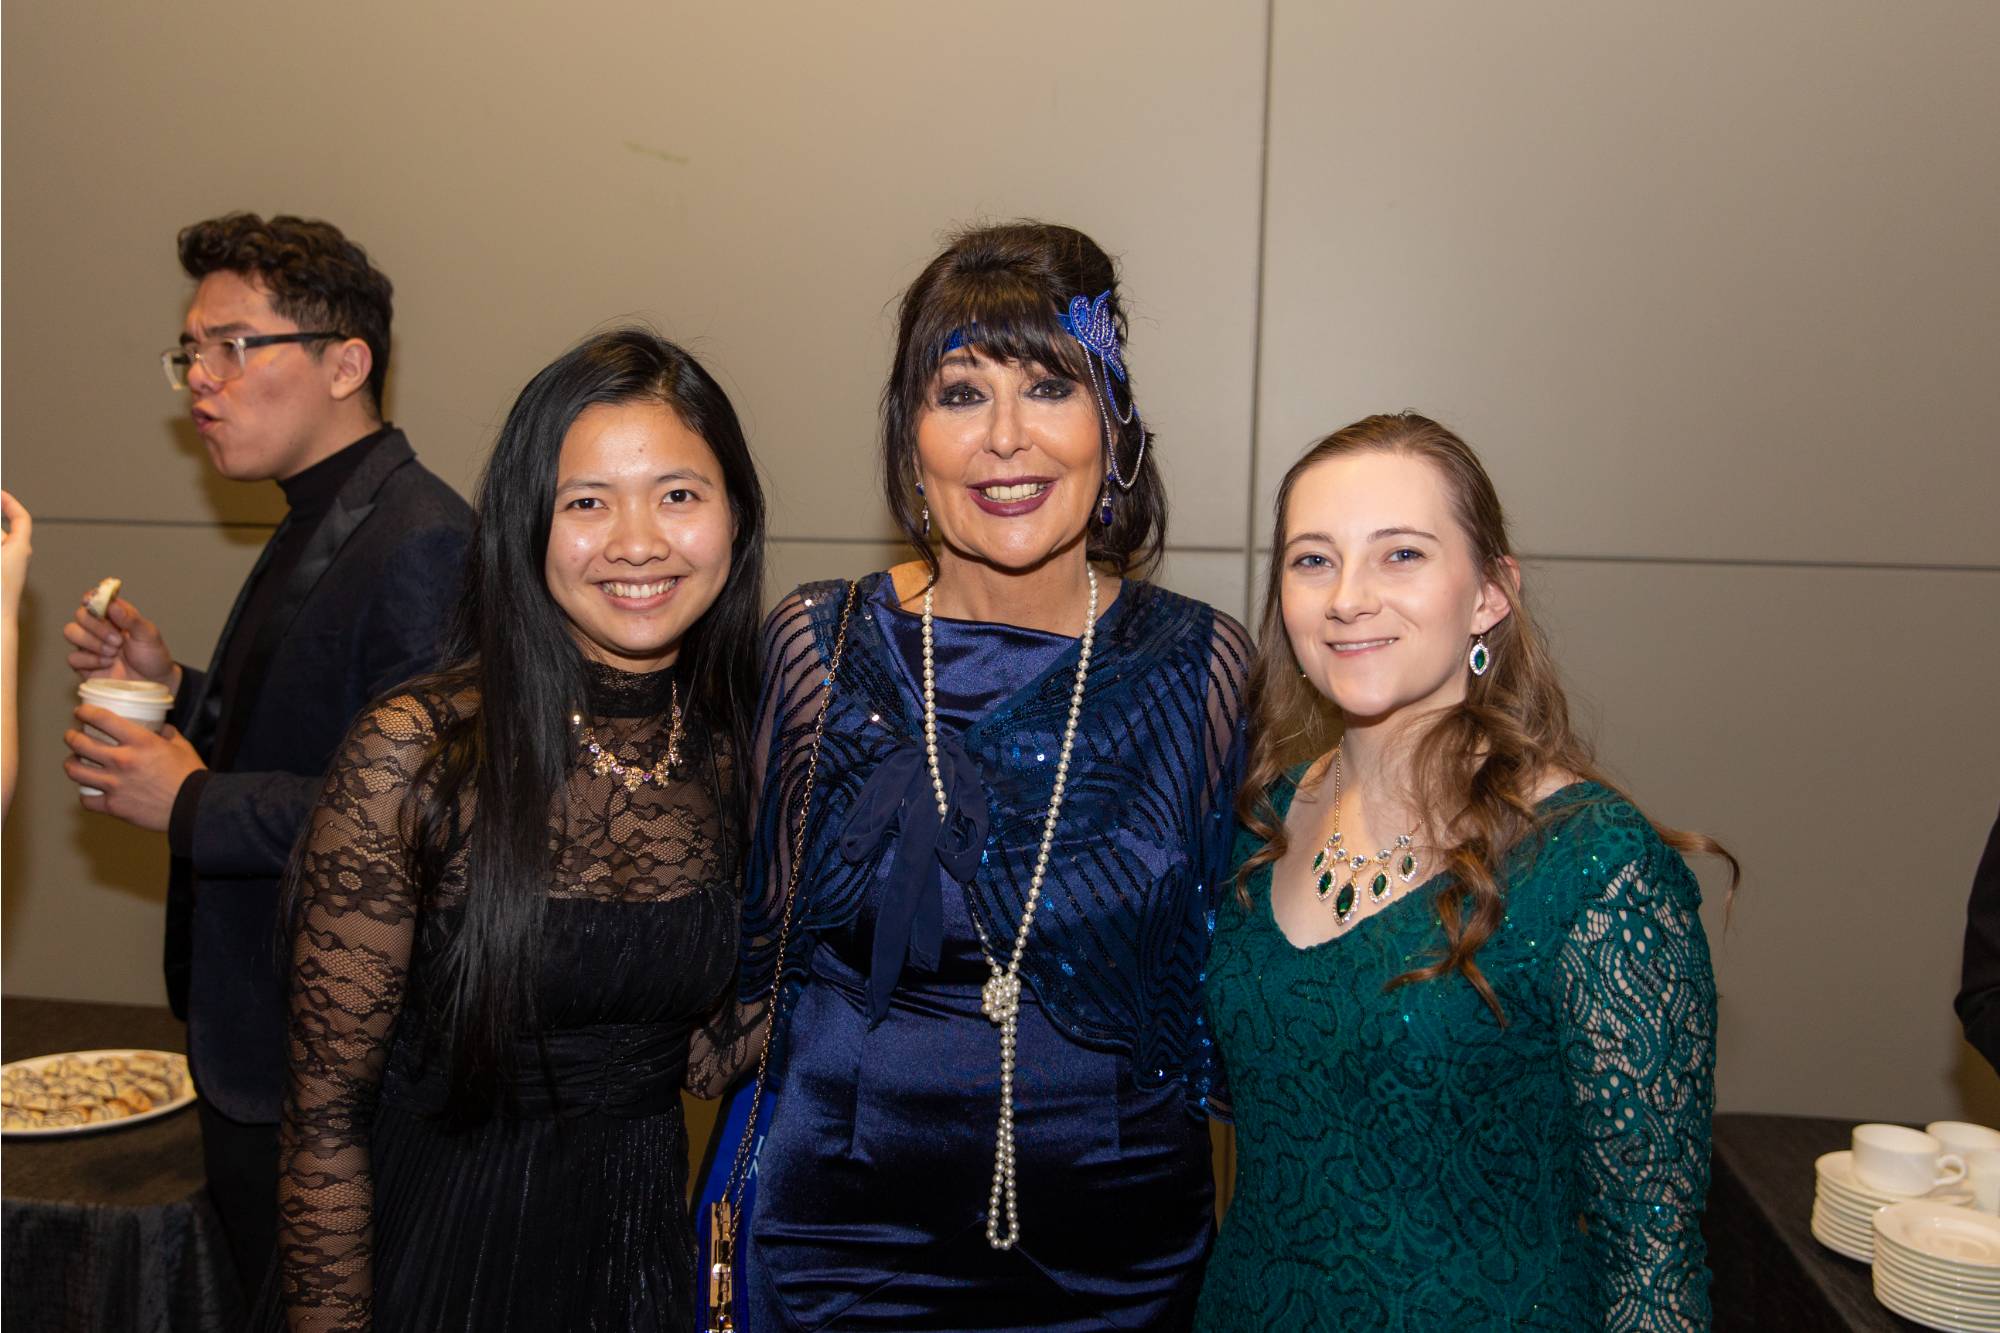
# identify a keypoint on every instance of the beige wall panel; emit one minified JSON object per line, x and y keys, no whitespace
{"x":1706,"y":279}
{"x":83,"y":897}
{"x":1215,"y":577}
{"x":757,"y":180}
{"x":1838,"y":730}
{"x":787,"y":564}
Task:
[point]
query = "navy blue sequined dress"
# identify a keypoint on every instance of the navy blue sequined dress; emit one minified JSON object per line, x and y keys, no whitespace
{"x":873,"y":1182}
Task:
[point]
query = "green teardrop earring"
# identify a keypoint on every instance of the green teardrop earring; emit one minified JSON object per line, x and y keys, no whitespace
{"x":1479,"y":658}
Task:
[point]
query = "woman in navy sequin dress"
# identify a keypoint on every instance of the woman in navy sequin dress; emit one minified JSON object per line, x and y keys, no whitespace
{"x":876,"y":1185}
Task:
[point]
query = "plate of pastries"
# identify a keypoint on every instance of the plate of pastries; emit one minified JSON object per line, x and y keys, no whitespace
{"x":81,"y":1092}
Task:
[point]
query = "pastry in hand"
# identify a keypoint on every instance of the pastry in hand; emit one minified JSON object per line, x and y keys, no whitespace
{"x":99,"y":599}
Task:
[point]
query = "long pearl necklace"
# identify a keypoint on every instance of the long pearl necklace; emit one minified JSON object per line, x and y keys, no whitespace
{"x":1001,"y":996}
{"x":1380,"y":886}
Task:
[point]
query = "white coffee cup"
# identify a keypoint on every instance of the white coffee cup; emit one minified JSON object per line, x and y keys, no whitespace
{"x":1982,"y":1172}
{"x":1964,"y":1139}
{"x":144,"y":701}
{"x":1891,"y":1159}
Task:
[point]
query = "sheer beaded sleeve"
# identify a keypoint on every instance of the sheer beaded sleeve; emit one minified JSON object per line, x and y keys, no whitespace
{"x":352,"y":935}
{"x":1638,"y":1050}
{"x":1228,"y":677}
{"x":794,"y":684}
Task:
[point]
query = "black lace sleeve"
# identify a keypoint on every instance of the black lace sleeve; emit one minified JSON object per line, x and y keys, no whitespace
{"x":355,"y":921}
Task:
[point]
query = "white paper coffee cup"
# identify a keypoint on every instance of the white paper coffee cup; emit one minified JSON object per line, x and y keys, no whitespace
{"x":144,"y":701}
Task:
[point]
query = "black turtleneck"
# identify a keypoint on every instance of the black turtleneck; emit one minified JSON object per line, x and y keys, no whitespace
{"x":610,"y":692}
{"x":309,"y":495}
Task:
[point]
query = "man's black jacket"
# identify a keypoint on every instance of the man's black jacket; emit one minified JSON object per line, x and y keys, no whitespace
{"x":360,"y":612}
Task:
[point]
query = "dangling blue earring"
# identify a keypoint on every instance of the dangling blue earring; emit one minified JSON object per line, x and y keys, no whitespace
{"x":1479,"y":658}
{"x":927,"y":512}
{"x":1104,"y":505}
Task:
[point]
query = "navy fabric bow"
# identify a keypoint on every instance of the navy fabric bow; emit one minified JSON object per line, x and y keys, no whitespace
{"x":897,"y":801}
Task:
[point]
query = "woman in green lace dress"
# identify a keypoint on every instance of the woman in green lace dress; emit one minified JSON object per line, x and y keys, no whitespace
{"x":1463,"y":994}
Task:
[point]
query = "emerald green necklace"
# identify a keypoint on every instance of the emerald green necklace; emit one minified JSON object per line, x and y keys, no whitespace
{"x":1334,"y":857}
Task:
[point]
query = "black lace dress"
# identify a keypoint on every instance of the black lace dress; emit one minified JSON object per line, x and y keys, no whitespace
{"x":566,"y":1208}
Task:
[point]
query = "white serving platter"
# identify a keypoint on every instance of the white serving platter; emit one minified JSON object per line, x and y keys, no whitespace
{"x":38,"y":1062}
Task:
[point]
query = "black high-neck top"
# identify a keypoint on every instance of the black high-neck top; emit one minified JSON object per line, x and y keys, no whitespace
{"x":309,"y":496}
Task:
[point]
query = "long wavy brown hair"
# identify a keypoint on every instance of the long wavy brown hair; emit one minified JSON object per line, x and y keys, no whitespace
{"x":1476,"y":764}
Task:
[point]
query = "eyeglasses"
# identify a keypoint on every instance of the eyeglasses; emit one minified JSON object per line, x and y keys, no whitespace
{"x":223,"y":358}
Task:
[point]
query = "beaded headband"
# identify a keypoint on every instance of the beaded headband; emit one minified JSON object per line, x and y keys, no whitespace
{"x":1090,"y":323}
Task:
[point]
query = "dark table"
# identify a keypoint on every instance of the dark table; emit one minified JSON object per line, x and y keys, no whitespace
{"x":114,"y":1230}
{"x":1769,"y":1271}
{"x":111,"y":1230}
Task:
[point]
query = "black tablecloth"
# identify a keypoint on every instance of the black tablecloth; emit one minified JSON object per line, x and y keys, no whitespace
{"x":111,"y":1230}
{"x":1769,"y":1271}
{"x":114,"y":1230}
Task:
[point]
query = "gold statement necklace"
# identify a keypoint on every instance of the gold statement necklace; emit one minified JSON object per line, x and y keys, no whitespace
{"x":606,"y":764}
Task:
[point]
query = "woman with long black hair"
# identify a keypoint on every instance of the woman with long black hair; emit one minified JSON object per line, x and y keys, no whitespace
{"x":518,"y":897}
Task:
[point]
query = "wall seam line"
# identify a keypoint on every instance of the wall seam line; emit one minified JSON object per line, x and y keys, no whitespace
{"x":1257,"y":320}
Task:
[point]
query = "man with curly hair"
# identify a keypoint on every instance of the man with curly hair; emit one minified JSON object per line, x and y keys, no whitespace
{"x":284,"y":354}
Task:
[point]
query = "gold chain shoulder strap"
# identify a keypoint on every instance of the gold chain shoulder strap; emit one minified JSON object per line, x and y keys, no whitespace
{"x":723,"y":1214}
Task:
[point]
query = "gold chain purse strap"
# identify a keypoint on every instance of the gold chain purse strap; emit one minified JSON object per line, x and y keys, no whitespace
{"x":724,"y":1214}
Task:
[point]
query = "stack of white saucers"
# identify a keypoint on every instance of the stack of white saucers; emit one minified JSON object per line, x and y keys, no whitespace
{"x":1939,"y":1265}
{"x":1844,"y":1208}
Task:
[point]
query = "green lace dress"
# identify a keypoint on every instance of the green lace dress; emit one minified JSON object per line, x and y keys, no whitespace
{"x":1406,"y":1162}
